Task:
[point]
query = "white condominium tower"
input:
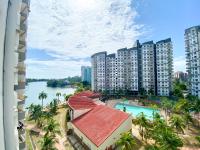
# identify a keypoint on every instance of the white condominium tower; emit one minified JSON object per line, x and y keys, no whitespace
{"x":192,"y":47}
{"x":13,"y":30}
{"x":111,"y":73}
{"x":164,"y":67}
{"x":148,"y":67}
{"x":127,"y":69}
{"x":99,"y":71}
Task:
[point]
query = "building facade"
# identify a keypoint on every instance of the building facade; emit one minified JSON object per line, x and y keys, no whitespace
{"x":99,"y":71}
{"x":181,"y":76}
{"x":86,"y":74}
{"x":111,"y":73}
{"x":164,"y":67}
{"x":148,"y":66}
{"x":192,"y":47}
{"x":13,"y":29}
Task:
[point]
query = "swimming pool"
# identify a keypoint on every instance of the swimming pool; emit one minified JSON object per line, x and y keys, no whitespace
{"x":135,"y":110}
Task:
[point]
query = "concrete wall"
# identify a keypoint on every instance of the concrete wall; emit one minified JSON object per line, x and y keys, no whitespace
{"x":111,"y":140}
{"x":10,"y":75}
{"x":3,"y":15}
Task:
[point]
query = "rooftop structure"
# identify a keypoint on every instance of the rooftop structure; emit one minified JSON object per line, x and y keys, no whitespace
{"x":98,"y":126}
{"x":99,"y":123}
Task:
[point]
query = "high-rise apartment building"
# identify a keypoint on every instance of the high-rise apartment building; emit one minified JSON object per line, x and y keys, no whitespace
{"x":127,"y":69}
{"x":164,"y":67}
{"x":192,"y":47}
{"x":181,"y":76}
{"x":99,"y":71}
{"x":86,"y":74}
{"x":13,"y":29}
{"x":148,"y":66}
{"x":111,"y":73}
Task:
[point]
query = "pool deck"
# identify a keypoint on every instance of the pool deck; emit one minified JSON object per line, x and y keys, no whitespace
{"x":113,"y":102}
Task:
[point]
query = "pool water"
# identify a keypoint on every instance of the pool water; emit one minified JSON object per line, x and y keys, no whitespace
{"x":135,"y":110}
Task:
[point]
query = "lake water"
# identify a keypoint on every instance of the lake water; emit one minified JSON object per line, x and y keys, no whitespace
{"x":34,"y":88}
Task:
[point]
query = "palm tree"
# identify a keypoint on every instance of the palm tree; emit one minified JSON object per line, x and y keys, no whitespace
{"x":36,"y":113}
{"x":169,"y":140}
{"x":53,"y":106}
{"x":58,"y":94}
{"x":182,"y":106}
{"x":196,"y":109}
{"x":42,"y":96}
{"x":188,"y":119}
{"x":52,"y":127}
{"x":30,"y":108}
{"x":66,"y":96}
{"x":198,"y":138}
{"x":166,"y":104}
{"x":126,"y":142}
{"x":164,"y":136}
{"x":47,"y":143}
{"x":154,"y":107}
{"x":142,"y":122}
{"x":177,"y":122}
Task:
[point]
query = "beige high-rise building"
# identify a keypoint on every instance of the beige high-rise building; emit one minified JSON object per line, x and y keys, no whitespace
{"x":13,"y":29}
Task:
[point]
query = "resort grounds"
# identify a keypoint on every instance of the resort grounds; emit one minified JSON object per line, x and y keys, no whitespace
{"x":190,"y":143}
{"x":34,"y":133}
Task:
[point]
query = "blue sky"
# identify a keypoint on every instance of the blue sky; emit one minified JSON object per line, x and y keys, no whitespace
{"x":64,"y":34}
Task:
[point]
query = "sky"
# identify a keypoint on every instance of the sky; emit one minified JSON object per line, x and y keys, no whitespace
{"x":62,"y":35}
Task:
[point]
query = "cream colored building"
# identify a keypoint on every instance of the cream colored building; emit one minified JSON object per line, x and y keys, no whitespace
{"x":13,"y":29}
{"x":93,"y":125}
{"x":110,"y":141}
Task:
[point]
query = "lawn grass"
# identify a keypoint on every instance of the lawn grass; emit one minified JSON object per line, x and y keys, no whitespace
{"x":60,"y":118}
{"x":28,"y":141}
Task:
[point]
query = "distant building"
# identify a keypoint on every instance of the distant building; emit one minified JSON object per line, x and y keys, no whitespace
{"x":182,"y":76}
{"x":94,"y":125}
{"x":13,"y":47}
{"x":192,"y":47}
{"x":145,"y":66}
{"x":86,"y":74}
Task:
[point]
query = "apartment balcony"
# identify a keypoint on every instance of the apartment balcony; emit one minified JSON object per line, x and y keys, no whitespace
{"x":21,"y":99}
{"x":26,"y":2}
{"x":20,"y":86}
{"x":22,"y":142}
{"x":23,"y":29}
{"x":21,"y":131}
{"x":21,"y":56}
{"x":21,"y":114}
{"x":24,"y":15}
{"x":21,"y":68}
{"x":22,"y":44}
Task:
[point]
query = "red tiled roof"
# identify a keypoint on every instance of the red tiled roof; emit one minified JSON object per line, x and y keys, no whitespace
{"x":78,"y":102}
{"x":99,"y":123}
{"x":89,"y":94}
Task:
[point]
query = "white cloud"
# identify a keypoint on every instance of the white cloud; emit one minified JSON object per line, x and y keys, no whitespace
{"x":180,"y":64}
{"x":79,"y":28}
{"x":53,"y":68}
{"x":75,"y":29}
